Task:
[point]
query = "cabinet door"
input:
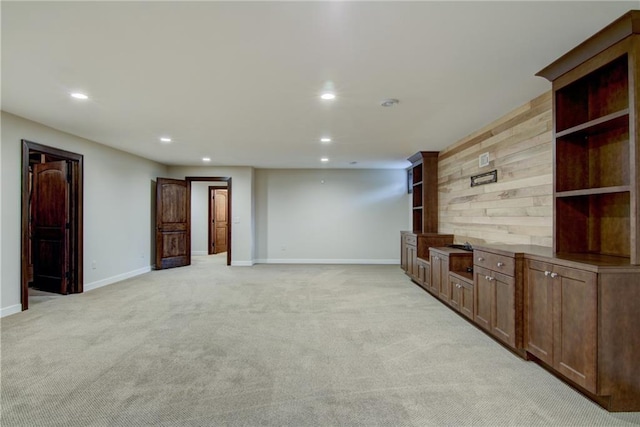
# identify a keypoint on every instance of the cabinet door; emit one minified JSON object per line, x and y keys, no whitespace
{"x":403,"y":253}
{"x":575,"y":308}
{"x":422,"y":271}
{"x":412,"y":261}
{"x":427,"y":276}
{"x":503,"y":316}
{"x":436,"y":273}
{"x":456,"y":293}
{"x":466,"y":299}
{"x":538,"y":332}
{"x":445,"y":284}
{"x":482,"y":297}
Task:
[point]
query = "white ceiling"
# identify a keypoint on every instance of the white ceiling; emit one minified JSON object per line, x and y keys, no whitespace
{"x":239,"y":81}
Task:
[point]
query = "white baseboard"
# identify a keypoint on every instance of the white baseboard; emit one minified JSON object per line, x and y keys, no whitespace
{"x":329,"y":261}
{"x":12,"y":309}
{"x":242,"y":263}
{"x":113,"y":279}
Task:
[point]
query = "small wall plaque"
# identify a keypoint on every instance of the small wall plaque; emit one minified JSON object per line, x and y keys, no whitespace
{"x":484,"y":178}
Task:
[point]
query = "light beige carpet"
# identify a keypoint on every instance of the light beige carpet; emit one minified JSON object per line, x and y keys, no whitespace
{"x":270,"y":345}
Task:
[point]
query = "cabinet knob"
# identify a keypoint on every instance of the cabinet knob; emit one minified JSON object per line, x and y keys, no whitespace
{"x":480,"y":259}
{"x":500,"y":264}
{"x":546,"y":273}
{"x":489,"y":278}
{"x":554,"y":275}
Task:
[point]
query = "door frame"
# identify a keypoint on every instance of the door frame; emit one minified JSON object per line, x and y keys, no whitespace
{"x":211,"y":229}
{"x":226,"y":179}
{"x":76,"y":284}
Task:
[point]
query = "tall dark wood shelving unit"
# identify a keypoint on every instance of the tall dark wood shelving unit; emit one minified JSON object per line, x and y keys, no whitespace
{"x":596,"y":154}
{"x":581,"y":305}
{"x":422,"y":178}
{"x":424,"y":183}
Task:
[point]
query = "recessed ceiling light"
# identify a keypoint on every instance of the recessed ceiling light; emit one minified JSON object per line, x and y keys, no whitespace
{"x":325,"y":139}
{"x":324,"y":159}
{"x":165,"y":139}
{"x":389,"y":102}
{"x":328,"y":95}
{"x":206,"y":159}
{"x":78,"y":95}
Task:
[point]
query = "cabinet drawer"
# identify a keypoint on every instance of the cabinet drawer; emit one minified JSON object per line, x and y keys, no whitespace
{"x":494,"y":275}
{"x":410,"y":239}
{"x":500,"y":263}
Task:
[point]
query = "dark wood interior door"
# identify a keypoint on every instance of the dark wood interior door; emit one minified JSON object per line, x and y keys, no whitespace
{"x":173,"y":223}
{"x":50,"y":225}
{"x":220,"y":221}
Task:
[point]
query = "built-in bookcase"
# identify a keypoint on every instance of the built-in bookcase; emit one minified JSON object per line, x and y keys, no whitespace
{"x":596,"y":148}
{"x":424,"y":184}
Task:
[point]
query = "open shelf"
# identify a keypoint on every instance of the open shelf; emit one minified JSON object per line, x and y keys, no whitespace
{"x":417,"y":195}
{"x":589,"y":159}
{"x":601,"y":124}
{"x":596,"y":95}
{"x":417,"y":174}
{"x":594,"y":223}
{"x":417,"y":220}
{"x":594,"y":191}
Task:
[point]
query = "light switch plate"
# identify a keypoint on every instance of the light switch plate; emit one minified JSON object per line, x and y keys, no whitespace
{"x":483,"y":160}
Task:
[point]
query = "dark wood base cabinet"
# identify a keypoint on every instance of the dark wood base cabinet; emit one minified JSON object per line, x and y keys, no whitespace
{"x":414,"y":254}
{"x":461,"y":283}
{"x":582,"y":305}
{"x":443,"y":260}
{"x":578,"y":315}
{"x":497,"y":293}
{"x":583,"y":322}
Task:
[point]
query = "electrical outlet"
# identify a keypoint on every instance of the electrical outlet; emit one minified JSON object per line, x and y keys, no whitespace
{"x":93,"y":264}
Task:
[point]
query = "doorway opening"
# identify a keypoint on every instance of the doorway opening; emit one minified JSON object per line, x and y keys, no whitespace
{"x":173,"y":220}
{"x":218,"y":224}
{"x":219,"y":213}
{"x":51,"y":226}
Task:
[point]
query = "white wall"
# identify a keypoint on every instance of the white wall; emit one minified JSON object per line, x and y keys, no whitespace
{"x":242,"y":212}
{"x":276,"y":215}
{"x":118,"y":214}
{"x":199,"y":218}
{"x":330,"y":216}
{"x":200,"y":215}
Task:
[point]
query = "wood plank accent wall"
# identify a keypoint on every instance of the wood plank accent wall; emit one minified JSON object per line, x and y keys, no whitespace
{"x":518,"y":208}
